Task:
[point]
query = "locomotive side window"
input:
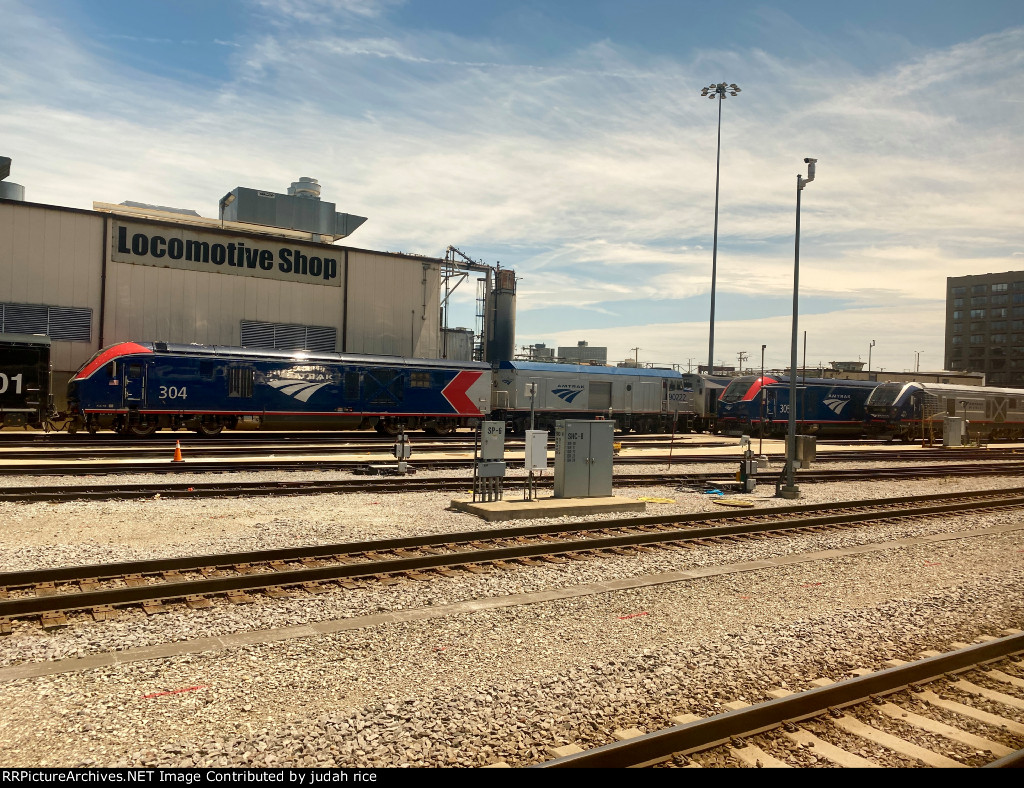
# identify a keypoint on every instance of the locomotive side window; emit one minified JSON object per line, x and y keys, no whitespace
{"x":112,"y":369}
{"x":420,"y":380}
{"x":206,"y":369}
{"x":240,"y":382}
{"x":134,"y":371}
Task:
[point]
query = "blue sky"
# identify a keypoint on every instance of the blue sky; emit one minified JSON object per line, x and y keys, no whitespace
{"x":568,"y":140}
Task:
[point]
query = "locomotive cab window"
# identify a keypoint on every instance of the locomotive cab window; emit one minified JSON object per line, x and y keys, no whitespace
{"x":240,"y":380}
{"x":134,"y":371}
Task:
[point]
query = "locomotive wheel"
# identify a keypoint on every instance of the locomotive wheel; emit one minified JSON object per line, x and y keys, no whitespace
{"x":440,"y":428}
{"x":142,"y":429}
{"x":389,"y":428}
{"x":208,"y":428}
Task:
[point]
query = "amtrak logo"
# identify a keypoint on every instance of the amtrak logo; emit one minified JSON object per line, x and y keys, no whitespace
{"x":835,"y":405}
{"x":300,"y":390}
{"x":567,"y":394}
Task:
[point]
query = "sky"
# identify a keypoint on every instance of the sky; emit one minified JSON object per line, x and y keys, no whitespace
{"x":569,"y":141}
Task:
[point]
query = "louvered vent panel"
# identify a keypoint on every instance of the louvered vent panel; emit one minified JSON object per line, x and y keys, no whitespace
{"x":321,"y":338}
{"x":71,"y":325}
{"x":288,"y":336}
{"x":259,"y":335}
{"x":68,"y":324}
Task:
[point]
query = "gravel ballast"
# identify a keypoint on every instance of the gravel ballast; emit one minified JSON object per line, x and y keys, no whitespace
{"x":471,"y":689}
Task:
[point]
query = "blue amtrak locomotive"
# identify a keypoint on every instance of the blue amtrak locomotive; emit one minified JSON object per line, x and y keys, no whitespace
{"x":824,"y":406}
{"x":138,"y":388}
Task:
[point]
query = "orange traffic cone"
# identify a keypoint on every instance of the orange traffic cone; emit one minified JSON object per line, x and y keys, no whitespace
{"x":177,"y":452}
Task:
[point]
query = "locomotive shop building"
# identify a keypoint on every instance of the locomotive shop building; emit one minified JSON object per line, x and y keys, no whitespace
{"x":259,"y":276}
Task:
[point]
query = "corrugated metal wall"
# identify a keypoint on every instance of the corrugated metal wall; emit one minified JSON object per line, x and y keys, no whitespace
{"x":386,"y":302}
{"x":146,"y":303}
{"x":55,"y":257}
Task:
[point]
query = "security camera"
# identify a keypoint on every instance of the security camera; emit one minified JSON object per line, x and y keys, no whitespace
{"x":810,"y":161}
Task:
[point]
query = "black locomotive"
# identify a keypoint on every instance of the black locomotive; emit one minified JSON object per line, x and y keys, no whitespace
{"x":24,"y":380}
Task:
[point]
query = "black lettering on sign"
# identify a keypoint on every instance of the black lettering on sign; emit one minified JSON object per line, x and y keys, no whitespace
{"x":235,"y":254}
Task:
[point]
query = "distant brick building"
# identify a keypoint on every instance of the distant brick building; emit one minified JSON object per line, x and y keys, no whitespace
{"x":985,"y":326}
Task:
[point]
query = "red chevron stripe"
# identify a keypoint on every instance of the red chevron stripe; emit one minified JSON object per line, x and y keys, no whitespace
{"x":455,"y":393}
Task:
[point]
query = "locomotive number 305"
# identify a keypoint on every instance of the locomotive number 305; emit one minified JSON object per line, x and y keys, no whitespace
{"x":14,"y":380}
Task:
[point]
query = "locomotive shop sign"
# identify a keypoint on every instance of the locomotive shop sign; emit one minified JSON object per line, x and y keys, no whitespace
{"x":172,"y":247}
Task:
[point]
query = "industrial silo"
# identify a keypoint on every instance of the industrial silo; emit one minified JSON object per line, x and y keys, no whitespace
{"x":501,"y":323}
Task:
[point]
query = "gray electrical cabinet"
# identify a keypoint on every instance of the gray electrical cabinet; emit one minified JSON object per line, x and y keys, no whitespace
{"x":952,"y":431}
{"x":492,"y":440}
{"x":583,"y":458}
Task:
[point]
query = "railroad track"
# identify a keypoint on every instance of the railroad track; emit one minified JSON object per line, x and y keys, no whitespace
{"x":55,"y":446}
{"x":52,"y":594}
{"x":513,"y":485}
{"x":82,"y":466}
{"x":899,"y":709}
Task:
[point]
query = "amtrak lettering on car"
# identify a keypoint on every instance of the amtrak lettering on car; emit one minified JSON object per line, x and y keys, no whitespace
{"x":174,"y":248}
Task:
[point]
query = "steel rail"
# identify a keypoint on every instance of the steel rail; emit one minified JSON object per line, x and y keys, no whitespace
{"x":10,"y":608}
{"x":58,"y":493}
{"x":714,"y":521}
{"x":721,"y":728}
{"x":262,"y":465}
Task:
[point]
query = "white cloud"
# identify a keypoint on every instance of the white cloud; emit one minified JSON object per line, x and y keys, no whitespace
{"x":592,"y":174}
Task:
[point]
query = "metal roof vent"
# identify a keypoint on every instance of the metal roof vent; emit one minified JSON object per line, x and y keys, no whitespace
{"x":305,"y":187}
{"x":301,"y":209}
{"x":8,"y":190}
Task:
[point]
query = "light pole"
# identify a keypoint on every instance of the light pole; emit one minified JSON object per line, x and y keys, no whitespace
{"x":790,"y":490}
{"x":869,"y":354}
{"x":721,"y":91}
{"x":917,"y":361}
{"x":760,"y":442}
{"x":636,"y":358}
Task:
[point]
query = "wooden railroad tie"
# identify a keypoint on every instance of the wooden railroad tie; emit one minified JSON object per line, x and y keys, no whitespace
{"x":152,"y":607}
{"x":104,"y":613}
{"x":45,"y":589}
{"x":52,"y":619}
{"x":197,"y":601}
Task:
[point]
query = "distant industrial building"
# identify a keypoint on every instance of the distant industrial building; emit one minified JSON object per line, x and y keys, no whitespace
{"x":985,"y":326}
{"x":583,"y":353}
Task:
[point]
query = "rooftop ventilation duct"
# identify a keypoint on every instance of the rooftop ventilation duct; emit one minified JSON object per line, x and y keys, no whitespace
{"x":300,"y":209}
{"x":8,"y":190}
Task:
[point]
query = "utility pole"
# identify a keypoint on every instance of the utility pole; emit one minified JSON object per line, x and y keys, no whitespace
{"x":742,"y":356}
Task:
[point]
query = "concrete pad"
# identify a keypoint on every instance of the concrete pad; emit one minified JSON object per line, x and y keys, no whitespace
{"x":518,"y":509}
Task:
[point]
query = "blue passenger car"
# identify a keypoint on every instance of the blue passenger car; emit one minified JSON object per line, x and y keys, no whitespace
{"x":138,"y":387}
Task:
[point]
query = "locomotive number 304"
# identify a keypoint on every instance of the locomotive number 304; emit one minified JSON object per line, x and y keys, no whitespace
{"x":13,"y":380}
{"x":173,"y":392}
